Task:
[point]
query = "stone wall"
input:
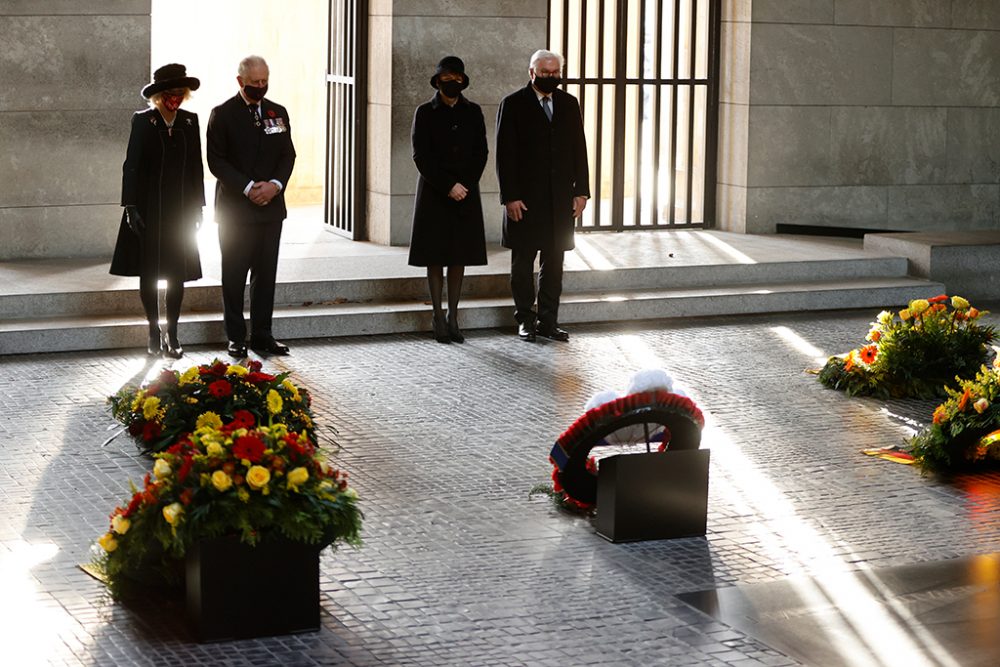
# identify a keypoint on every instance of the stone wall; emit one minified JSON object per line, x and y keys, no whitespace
{"x":71,"y":73}
{"x":877,"y":114}
{"x":495,"y":38}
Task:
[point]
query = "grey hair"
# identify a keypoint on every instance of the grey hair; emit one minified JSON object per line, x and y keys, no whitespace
{"x":543,"y":54}
{"x":250,"y":62}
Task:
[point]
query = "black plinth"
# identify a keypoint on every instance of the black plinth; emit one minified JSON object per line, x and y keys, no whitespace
{"x":236,"y":592}
{"x":652,"y":496}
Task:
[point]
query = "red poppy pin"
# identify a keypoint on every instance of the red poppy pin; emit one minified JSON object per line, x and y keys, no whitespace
{"x":270,"y":113}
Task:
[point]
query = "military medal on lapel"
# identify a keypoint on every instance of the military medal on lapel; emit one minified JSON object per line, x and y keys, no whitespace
{"x":274,"y":125}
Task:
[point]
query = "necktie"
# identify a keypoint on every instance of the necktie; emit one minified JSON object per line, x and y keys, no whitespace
{"x":255,"y":114}
{"x":547,"y":105}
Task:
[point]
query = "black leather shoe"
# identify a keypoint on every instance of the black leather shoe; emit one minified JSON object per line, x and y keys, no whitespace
{"x":526,"y":332}
{"x":454,"y":333}
{"x":440,"y":330}
{"x":172,"y":347}
{"x":238,"y":350}
{"x":154,"y":345}
{"x":270,"y":347}
{"x":553,"y":333}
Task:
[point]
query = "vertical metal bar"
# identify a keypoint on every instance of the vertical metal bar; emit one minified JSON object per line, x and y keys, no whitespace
{"x":578,"y":223}
{"x":671,"y":171}
{"x":359,"y":112}
{"x":327,"y":217}
{"x":600,"y":114}
{"x":691,"y":96}
{"x":657,"y":109}
{"x":564,"y":47}
{"x":712,"y":122}
{"x":621,"y":60}
{"x":637,"y":185}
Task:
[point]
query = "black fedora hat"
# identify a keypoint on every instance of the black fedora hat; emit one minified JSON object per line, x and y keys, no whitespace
{"x":451,"y":64}
{"x":170,"y":76}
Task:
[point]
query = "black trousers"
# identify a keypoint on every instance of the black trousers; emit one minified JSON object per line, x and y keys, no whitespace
{"x":522,"y":285}
{"x":249,"y":248}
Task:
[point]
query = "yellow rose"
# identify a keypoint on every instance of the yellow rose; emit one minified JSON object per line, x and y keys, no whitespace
{"x":297,"y":477}
{"x":258,"y":477}
{"x":918,"y":306}
{"x":980,"y":405}
{"x":172,"y":513}
{"x":885,"y":318}
{"x":189,"y":376}
{"x":150,"y":406}
{"x":208,"y":420}
{"x":351,"y":493}
{"x":221,"y":481}
{"x":214,"y":449}
{"x":120,"y":524}
{"x":161,"y":469}
{"x":237,"y":370}
{"x":279,"y":430}
{"x":274,"y":402}
{"x":904,"y":314}
{"x":108,"y":542}
{"x":958,"y":303}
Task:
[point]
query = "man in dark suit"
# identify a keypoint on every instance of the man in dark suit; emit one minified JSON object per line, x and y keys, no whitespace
{"x":251,"y":154}
{"x":544,"y":185}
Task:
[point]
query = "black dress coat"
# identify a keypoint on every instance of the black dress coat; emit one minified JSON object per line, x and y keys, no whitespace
{"x":163,"y":177}
{"x":542,"y":163}
{"x":240,"y":152}
{"x":449,"y":147}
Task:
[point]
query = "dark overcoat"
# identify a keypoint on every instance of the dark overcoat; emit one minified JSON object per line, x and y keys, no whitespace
{"x":240,"y":152}
{"x":542,"y":163}
{"x":164,"y":179}
{"x":449,"y":147}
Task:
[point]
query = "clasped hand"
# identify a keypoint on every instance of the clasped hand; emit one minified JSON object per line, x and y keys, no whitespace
{"x":262,"y":192}
{"x":458,"y":192}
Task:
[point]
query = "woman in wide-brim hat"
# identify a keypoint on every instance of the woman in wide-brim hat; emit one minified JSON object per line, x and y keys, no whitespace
{"x":449,"y":149}
{"x":163,"y":191}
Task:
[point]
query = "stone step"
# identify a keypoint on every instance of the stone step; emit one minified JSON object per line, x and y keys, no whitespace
{"x":495,"y":282}
{"x":324,"y":319}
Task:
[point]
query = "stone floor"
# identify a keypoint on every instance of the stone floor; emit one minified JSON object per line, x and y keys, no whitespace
{"x":459,"y":566}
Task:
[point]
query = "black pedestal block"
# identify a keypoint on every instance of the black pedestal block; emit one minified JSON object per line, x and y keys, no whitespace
{"x":652,"y":496}
{"x":235,"y":591}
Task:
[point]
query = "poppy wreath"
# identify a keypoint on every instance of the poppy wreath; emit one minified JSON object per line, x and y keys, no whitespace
{"x":574,"y":473}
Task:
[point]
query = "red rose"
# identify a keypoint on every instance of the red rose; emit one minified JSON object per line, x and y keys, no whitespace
{"x":135,"y":428}
{"x":153,"y":389}
{"x":151,"y":431}
{"x":168,"y":378}
{"x":185,"y":468}
{"x":228,"y":467}
{"x":256,"y":377}
{"x":254,"y":365}
{"x":244,"y":419}
{"x":186,"y":496}
{"x":220,"y":389}
{"x":237,"y":479}
{"x":249,"y":447}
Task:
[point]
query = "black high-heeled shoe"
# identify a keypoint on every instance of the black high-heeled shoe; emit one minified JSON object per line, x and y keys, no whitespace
{"x":154,"y":344}
{"x":454,"y":333}
{"x":171,"y":346}
{"x":440,"y":329}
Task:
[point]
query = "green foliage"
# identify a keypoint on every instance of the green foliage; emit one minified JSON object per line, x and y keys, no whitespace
{"x":964,"y":432}
{"x":914,"y":353}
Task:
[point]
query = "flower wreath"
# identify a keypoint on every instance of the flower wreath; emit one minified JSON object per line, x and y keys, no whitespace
{"x":651,"y":400}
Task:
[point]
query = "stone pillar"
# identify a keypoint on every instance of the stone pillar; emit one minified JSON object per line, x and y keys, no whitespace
{"x":495,"y":38}
{"x":72,"y":71}
{"x":873,"y":114}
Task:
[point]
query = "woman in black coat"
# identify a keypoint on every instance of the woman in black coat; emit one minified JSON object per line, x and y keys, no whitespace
{"x":163,"y":190}
{"x":449,"y":149}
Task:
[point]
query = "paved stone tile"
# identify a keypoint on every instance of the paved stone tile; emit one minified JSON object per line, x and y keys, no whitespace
{"x":459,"y":567}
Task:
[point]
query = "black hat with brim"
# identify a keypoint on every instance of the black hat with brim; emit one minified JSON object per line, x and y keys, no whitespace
{"x":169,"y":77}
{"x":451,"y":64}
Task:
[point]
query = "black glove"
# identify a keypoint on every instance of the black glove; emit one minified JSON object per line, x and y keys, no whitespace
{"x":134,"y":220}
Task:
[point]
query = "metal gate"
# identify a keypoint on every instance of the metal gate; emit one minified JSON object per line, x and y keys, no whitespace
{"x":646,"y":75}
{"x":347,"y":96}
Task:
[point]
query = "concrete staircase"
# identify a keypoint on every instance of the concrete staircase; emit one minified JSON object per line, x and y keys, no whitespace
{"x":104,"y":319}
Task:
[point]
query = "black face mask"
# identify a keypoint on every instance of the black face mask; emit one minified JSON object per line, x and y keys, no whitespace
{"x":547,"y":84}
{"x":450,"y":88}
{"x":255,"y":93}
